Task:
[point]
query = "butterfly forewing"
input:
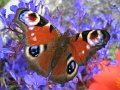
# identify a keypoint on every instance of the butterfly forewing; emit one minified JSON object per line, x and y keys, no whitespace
{"x":80,"y":49}
{"x":37,"y":30}
{"x":85,"y":44}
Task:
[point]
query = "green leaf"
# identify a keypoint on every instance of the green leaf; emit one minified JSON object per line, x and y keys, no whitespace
{"x":14,"y":87}
{"x":2,"y":80}
{"x":112,"y":50}
{"x":3,"y":2}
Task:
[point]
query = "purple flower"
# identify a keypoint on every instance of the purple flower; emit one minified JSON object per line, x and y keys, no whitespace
{"x":35,"y":80}
{"x":13,"y":8}
{"x":58,"y":87}
{"x":95,"y":70}
{"x":3,"y":12}
{"x":79,"y":74}
{"x":80,"y":8}
{"x":115,"y":8}
{"x":3,"y":19}
{"x":112,"y":62}
{"x":3,"y":51}
{"x":26,"y":1}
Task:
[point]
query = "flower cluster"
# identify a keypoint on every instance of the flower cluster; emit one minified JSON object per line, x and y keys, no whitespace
{"x":13,"y":67}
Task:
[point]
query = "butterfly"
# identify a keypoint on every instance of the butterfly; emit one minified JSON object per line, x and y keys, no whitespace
{"x":52,"y":54}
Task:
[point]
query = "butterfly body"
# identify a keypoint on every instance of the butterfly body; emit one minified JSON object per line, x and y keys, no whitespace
{"x":53,"y":55}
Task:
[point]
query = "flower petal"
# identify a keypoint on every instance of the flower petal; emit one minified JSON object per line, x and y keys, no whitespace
{"x":10,"y":18}
{"x":21,"y":5}
{"x":32,"y":6}
{"x":3,"y":12}
{"x":13,"y":8}
{"x":1,"y":56}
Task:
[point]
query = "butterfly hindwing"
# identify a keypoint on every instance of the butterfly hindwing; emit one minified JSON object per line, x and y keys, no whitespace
{"x":85,"y":44}
{"x":60,"y":70}
{"x":37,"y":30}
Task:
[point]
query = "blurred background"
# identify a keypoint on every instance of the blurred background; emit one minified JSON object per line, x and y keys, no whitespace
{"x":95,"y":7}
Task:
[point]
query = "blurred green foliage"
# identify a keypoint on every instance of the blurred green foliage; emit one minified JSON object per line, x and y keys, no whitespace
{"x":113,"y":49}
{"x":3,"y":2}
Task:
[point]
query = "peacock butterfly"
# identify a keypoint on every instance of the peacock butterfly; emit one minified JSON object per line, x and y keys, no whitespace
{"x":49,"y":53}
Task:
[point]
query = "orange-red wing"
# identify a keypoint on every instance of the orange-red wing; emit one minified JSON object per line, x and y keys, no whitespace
{"x":41,"y":35}
{"x":58,"y":73}
{"x":36,"y":29}
{"x":84,"y":45}
{"x":79,"y":49}
{"x":44,"y":62}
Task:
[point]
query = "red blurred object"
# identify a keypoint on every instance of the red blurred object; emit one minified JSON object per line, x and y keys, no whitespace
{"x":109,"y":78}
